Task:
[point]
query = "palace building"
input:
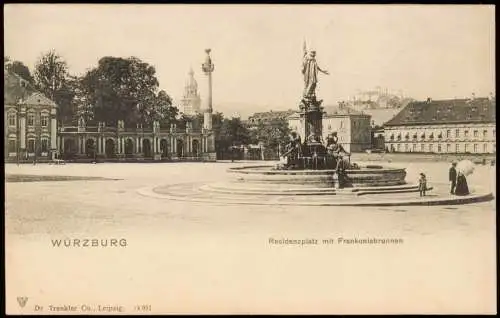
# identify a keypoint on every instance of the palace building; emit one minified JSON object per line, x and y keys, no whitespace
{"x":31,"y":131}
{"x":444,"y":126}
{"x":353,"y":127}
{"x":139,"y":143}
{"x":30,"y":125}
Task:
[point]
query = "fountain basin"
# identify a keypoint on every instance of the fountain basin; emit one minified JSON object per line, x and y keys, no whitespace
{"x":365,"y":176}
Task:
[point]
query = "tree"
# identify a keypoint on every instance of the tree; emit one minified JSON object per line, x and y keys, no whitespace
{"x":272,"y":134}
{"x":126,"y":88}
{"x":51,"y":73}
{"x":164,"y":111}
{"x":52,"y":79}
{"x":19,"y":68}
{"x":231,"y":132}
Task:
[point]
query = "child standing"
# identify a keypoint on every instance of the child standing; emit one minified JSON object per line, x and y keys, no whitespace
{"x":422,"y":184}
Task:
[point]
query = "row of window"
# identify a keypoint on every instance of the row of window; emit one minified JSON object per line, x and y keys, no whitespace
{"x":448,"y":134}
{"x":440,"y":148}
{"x":44,"y":145}
{"x":44,"y":120}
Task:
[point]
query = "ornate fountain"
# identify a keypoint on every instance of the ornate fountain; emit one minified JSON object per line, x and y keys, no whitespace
{"x":308,"y":162}
{"x":311,"y":173}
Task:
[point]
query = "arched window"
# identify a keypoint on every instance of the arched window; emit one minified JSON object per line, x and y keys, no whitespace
{"x":31,"y":119}
{"x":12,"y":119}
{"x":45,"y":145}
{"x":12,"y":145}
{"x":31,"y":145}
{"x":44,"y":120}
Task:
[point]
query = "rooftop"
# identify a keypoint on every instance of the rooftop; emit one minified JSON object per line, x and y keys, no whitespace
{"x":341,"y":110}
{"x":478,"y":110}
{"x":16,"y":88}
{"x":270,"y":115}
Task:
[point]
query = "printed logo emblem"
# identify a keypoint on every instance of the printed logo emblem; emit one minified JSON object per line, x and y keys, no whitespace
{"x":22,"y":301}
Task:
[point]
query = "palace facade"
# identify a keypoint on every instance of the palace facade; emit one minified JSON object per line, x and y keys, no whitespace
{"x":353,"y":127}
{"x":444,"y":126}
{"x":140,"y":143}
{"x":30,"y":125}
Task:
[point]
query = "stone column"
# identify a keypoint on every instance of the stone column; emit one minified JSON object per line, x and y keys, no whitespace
{"x":53,"y":134}
{"x":206,"y":86}
{"x":22,"y":137}
{"x":84,"y":144}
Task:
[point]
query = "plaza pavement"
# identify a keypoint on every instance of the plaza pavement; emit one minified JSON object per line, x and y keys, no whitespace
{"x":199,"y":258}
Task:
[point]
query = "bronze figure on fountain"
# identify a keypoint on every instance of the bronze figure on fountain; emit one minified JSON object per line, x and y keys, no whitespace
{"x":313,"y":152}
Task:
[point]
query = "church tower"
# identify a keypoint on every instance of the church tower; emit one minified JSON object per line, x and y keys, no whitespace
{"x":191,"y":100}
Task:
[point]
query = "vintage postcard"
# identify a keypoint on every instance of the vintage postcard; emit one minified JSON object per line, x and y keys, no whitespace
{"x":249,"y":159}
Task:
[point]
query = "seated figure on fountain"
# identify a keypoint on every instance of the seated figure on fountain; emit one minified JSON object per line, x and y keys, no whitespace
{"x":293,"y":149}
{"x":337,"y":153}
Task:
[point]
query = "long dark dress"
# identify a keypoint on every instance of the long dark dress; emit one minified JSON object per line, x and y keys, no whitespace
{"x":462,"y":188}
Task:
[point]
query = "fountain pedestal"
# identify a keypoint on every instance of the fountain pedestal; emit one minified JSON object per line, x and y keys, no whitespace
{"x":311,"y":117}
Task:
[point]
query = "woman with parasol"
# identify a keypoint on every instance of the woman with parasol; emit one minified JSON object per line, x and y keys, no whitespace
{"x":464,"y":169}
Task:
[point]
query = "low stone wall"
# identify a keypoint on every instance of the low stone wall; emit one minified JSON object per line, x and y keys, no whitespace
{"x":367,"y":176}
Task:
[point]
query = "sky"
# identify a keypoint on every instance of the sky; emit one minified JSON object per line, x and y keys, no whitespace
{"x":438,"y":51}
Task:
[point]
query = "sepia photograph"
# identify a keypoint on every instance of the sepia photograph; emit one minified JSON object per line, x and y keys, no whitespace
{"x":249,"y":159}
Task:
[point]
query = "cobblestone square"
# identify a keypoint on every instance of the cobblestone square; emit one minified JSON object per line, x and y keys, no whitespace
{"x":217,"y":258}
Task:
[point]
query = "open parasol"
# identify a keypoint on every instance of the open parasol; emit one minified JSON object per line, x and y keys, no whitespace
{"x":466,"y":167}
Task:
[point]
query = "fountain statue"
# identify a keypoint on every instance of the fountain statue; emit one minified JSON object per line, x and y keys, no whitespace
{"x":308,"y":150}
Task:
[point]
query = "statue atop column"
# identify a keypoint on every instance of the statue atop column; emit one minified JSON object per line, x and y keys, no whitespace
{"x":310,"y":69}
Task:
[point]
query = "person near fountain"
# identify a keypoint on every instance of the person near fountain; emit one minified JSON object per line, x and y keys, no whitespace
{"x":453,"y":177}
{"x":462,"y":188}
{"x":422,"y":184}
